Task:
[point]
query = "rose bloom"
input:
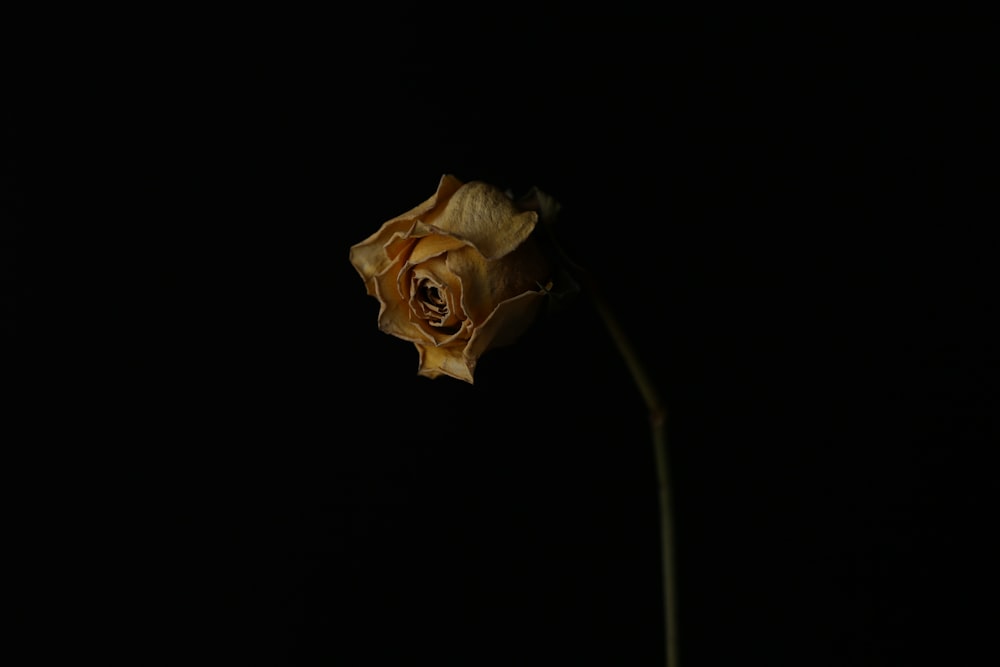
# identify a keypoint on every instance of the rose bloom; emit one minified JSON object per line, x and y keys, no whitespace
{"x":456,"y":276}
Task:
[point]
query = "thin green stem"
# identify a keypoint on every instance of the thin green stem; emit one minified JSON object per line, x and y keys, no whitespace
{"x":658,"y":429}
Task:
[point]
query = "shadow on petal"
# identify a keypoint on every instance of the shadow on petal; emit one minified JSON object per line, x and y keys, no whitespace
{"x":508,"y":321}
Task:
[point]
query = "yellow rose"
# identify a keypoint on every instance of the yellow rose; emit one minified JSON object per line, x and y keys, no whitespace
{"x":456,"y":276}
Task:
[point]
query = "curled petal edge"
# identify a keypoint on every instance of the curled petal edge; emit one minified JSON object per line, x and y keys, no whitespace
{"x":486,"y":218}
{"x":505,"y":324}
{"x":370,"y":258}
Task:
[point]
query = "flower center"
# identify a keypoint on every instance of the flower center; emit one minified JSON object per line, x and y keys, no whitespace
{"x":432,"y":295}
{"x":433,"y":303}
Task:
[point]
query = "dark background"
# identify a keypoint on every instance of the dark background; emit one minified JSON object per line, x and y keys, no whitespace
{"x":225,"y":461}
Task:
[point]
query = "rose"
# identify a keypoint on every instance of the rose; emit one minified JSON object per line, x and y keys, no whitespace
{"x":457,"y":275}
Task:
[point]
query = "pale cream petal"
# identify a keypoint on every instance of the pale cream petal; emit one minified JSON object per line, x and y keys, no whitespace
{"x":450,"y":360}
{"x":510,"y":319}
{"x":485,"y":217}
{"x":446,"y":188}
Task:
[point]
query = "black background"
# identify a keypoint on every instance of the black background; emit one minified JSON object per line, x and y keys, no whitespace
{"x":226,"y":462}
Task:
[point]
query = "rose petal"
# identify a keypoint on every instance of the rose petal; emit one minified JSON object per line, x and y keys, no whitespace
{"x":394,"y":309}
{"x":437,"y":271}
{"x":370,"y":257}
{"x":487,"y":283}
{"x":456,"y":275}
{"x":402,"y":241}
{"x":508,"y":321}
{"x":432,"y":246}
{"x":485,"y":217}
{"x":450,"y":360}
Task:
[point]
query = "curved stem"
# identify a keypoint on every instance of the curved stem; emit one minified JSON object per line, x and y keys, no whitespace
{"x":657,"y":423}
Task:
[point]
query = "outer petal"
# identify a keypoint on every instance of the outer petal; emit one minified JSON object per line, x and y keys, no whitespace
{"x":486,"y":283}
{"x":450,"y":360}
{"x":394,"y":310}
{"x":508,"y":321}
{"x":485,"y":217}
{"x":370,"y":257}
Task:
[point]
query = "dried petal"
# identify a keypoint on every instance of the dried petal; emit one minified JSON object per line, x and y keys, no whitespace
{"x":451,"y":361}
{"x":370,"y":257}
{"x":508,"y":321}
{"x":486,"y":283}
{"x":486,"y":218}
{"x":456,"y":275}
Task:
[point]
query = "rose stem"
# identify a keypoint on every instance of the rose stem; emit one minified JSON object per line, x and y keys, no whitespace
{"x":657,"y":422}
